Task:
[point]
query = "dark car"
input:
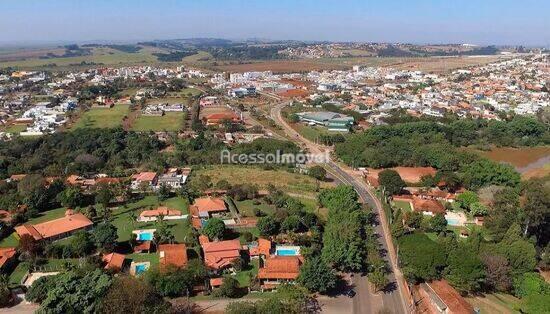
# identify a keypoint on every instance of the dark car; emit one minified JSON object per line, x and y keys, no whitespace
{"x":351,"y":293}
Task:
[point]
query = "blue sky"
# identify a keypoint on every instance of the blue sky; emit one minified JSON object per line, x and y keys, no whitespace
{"x":524,"y":22}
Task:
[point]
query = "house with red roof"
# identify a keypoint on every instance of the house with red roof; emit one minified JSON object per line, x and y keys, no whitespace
{"x":114,"y":261}
{"x":172,"y":255}
{"x":144,"y":181}
{"x":56,"y":229}
{"x":263,"y":248}
{"x":278,"y":269}
{"x":427,"y":206}
{"x":165,"y":212}
{"x":7,"y":258}
{"x":207,"y":207}
{"x":221,"y":254}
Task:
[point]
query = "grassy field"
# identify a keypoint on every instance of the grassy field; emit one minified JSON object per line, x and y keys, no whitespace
{"x":286,"y":181}
{"x":405,"y":206}
{"x":152,"y":258}
{"x":125,"y":225}
{"x":243,"y":277}
{"x":313,"y":133}
{"x":10,"y":241}
{"x":14,"y":128}
{"x":170,"y":121}
{"x":246,"y":207}
{"x":99,"y":56}
{"x":51,"y":265}
{"x":102,"y":117}
{"x":495,"y":303}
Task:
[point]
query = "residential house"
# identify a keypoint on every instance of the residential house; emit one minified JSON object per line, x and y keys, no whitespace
{"x":114,"y":261}
{"x":7,"y":258}
{"x":172,"y":255}
{"x":429,"y":207}
{"x":207,"y":207}
{"x":56,"y":229}
{"x":220,"y":255}
{"x":165,"y":212}
{"x":278,"y":269}
{"x":144,"y":181}
{"x":174,"y":178}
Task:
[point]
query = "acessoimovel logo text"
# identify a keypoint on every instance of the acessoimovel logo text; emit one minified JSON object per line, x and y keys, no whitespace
{"x":226,"y":157}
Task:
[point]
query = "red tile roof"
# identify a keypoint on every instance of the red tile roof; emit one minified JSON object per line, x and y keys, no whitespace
{"x":280,"y":267}
{"x":6,"y":254}
{"x":216,"y":282}
{"x":143,"y":246}
{"x":172,"y":254}
{"x":55,"y":227}
{"x":114,"y":261}
{"x":428,"y":205}
{"x":208,"y":205}
{"x":144,"y":176}
{"x":454,"y":301}
{"x":161,"y":210}
{"x":220,"y":254}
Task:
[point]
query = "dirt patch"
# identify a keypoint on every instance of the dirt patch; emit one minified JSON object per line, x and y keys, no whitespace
{"x":206,"y":111}
{"x":518,"y":157}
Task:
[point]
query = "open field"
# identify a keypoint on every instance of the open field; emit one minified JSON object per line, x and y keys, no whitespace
{"x":170,"y":121}
{"x":212,"y":110}
{"x":494,"y":303}
{"x":529,"y":161}
{"x":102,"y":117}
{"x":284,"y":180}
{"x":427,"y":64}
{"x":14,"y":128}
{"x":517,"y":157}
{"x":443,"y":64}
{"x":313,"y":133}
{"x":99,"y":56}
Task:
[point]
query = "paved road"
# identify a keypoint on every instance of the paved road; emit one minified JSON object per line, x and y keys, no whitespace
{"x":365,"y":301}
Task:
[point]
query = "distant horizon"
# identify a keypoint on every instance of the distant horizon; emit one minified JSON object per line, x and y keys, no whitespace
{"x":488,"y":22}
{"x":52,"y":43}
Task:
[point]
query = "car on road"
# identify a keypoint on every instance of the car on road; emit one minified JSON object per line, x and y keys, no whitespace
{"x":351,"y":293}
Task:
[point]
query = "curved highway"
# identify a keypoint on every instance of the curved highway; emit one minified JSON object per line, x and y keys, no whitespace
{"x":365,"y":301}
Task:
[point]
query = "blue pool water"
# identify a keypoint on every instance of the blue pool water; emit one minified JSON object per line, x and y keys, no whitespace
{"x":287,"y":252}
{"x":453,"y":222}
{"x":141,"y":268}
{"x":146,"y":236}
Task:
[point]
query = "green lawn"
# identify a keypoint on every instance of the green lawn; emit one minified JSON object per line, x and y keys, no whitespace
{"x":495,"y":303}
{"x":10,"y":241}
{"x":170,"y":121}
{"x":102,"y":117}
{"x":17,"y":275}
{"x":51,"y":265}
{"x":125,"y":225}
{"x":405,"y":206}
{"x":48,"y":215}
{"x":243,"y":277}
{"x":246,"y":207}
{"x":14,"y":128}
{"x":152,"y":258}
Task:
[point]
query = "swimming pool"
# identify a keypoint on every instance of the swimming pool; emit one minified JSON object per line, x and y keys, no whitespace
{"x":453,"y":222}
{"x":287,"y":250}
{"x":141,"y":268}
{"x":145,"y":236}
